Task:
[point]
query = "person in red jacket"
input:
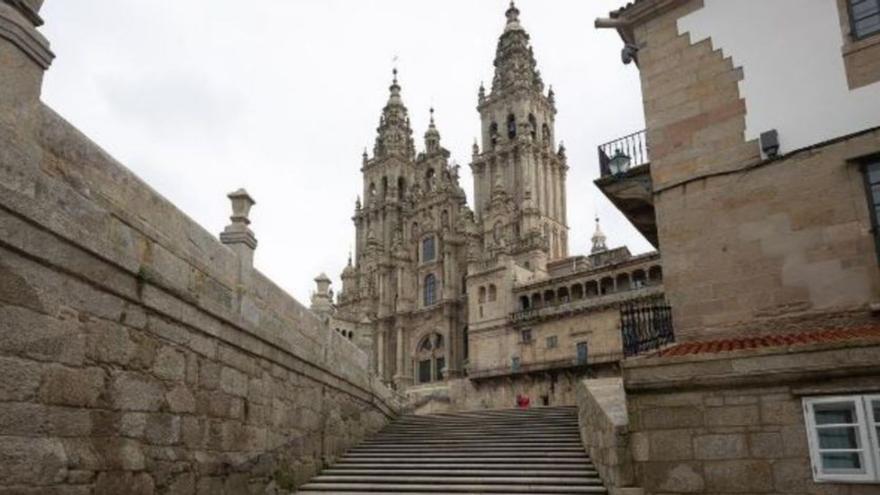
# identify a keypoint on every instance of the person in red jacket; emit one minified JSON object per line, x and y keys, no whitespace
{"x":522,"y":401}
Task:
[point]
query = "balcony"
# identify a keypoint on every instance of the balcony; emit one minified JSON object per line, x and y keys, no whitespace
{"x":646,"y":326}
{"x":568,"y":308}
{"x":625,"y":179}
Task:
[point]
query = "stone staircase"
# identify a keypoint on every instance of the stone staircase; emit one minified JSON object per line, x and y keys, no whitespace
{"x":509,"y":451}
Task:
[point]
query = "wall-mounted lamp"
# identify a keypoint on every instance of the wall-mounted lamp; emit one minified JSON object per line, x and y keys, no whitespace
{"x":619,"y":163}
{"x":770,"y":143}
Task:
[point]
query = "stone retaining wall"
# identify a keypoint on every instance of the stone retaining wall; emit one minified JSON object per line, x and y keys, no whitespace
{"x":733,"y":422}
{"x":604,"y":425}
{"x":138,"y":354}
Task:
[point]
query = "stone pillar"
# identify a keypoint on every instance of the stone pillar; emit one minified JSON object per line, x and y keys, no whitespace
{"x":24,"y":57}
{"x":402,"y":378}
{"x":239,"y":237}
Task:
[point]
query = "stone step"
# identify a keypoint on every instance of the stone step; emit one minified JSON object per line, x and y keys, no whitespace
{"x":338,"y":488}
{"x":511,"y":452}
{"x":580,"y":471}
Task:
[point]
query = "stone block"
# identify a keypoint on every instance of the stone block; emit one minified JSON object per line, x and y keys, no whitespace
{"x":180,"y":400}
{"x":793,"y":475}
{"x":670,"y":417}
{"x":72,"y":386}
{"x":768,"y":445}
{"x":745,"y":476}
{"x":117,"y":482}
{"x":108,"y":342}
{"x":132,"y":391}
{"x":233,"y":382}
{"x":713,"y":447}
{"x":782,"y":412}
{"x":162,"y":429}
{"x":671,"y":445}
{"x":120,"y":453}
{"x":47,"y":338}
{"x":32,"y":461}
{"x":209,"y":374}
{"x":20,"y":379}
{"x":170,"y":364}
{"x":732,"y":416}
{"x":673,"y":477}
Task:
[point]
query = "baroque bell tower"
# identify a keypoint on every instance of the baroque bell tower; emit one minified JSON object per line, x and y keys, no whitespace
{"x":519,"y":176}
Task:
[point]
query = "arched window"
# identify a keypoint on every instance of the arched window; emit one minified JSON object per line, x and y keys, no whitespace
{"x":562,"y":295}
{"x":655,"y":274}
{"x":511,"y":126}
{"x":493,"y":293}
{"x":639,"y":279}
{"x":429,"y":180}
{"x":481,"y":297}
{"x":577,"y":292}
{"x":493,"y":134}
{"x":549,"y":297}
{"x":623,"y":282}
{"x":545,"y":133}
{"x":429,"y":249}
{"x":524,"y":303}
{"x":591,"y":288}
{"x":384,"y":186}
{"x":606,"y":285}
{"x":536,"y":300}
{"x":401,"y":187}
{"x":430,"y":290}
{"x":533,"y":127}
{"x":372,"y":189}
{"x":430,"y":358}
{"x":444,"y":218}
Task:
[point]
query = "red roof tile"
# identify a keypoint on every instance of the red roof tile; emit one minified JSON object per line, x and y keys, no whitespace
{"x":787,"y":340}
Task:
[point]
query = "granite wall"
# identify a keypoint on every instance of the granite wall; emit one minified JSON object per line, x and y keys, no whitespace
{"x":138,"y":354}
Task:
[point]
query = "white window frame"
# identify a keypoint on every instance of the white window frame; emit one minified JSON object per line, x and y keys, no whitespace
{"x":866,"y":433}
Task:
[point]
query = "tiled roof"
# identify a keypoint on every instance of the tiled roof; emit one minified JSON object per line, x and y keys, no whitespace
{"x":626,"y":7}
{"x":794,"y":339}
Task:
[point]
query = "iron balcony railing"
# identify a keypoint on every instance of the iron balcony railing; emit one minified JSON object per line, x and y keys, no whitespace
{"x":645,"y":326}
{"x":634,"y":147}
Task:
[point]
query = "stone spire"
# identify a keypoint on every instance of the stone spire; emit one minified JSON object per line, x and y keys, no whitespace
{"x":394,"y":131}
{"x":432,"y":136}
{"x":598,"y":240}
{"x":515,"y":65}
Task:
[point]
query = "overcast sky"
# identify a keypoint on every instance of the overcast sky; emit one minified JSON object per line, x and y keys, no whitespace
{"x":201,"y":97}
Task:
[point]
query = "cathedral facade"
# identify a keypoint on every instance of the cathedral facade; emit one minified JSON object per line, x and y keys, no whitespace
{"x":431,"y":291}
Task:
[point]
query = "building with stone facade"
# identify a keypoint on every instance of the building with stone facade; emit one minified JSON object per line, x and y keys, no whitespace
{"x":757,"y":174}
{"x":446,"y":296}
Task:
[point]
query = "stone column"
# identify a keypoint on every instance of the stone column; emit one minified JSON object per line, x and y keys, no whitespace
{"x":24,"y":57}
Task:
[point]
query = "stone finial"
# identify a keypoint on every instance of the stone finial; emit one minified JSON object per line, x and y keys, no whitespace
{"x":238,"y":231}
{"x":18,"y":22}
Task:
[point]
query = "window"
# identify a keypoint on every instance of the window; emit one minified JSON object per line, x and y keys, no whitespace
{"x":872,"y":183}
{"x":511,"y":126}
{"x":430,"y":358}
{"x":864,"y":16}
{"x":429,"y":249}
{"x":843,"y":437}
{"x":581,"y":353}
{"x":552,"y":342}
{"x":493,"y":293}
{"x":526,"y":336}
{"x":425,"y":371}
{"x":514,"y":363}
{"x":439,"y":368}
{"x":481,"y":295}
{"x":430,"y":290}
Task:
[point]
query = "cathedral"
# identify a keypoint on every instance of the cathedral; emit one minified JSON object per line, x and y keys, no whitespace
{"x":432,"y":291}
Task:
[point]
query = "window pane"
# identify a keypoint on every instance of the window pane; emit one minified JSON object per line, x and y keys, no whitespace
{"x":424,"y":371}
{"x":835,"y":413}
{"x":841,"y":461}
{"x":868,"y":25}
{"x":875,"y":194}
{"x":441,"y":363}
{"x":838,"y":438}
{"x":864,"y":8}
{"x":874,"y":173}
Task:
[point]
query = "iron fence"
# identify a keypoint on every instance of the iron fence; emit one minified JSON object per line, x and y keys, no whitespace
{"x":645,"y":326}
